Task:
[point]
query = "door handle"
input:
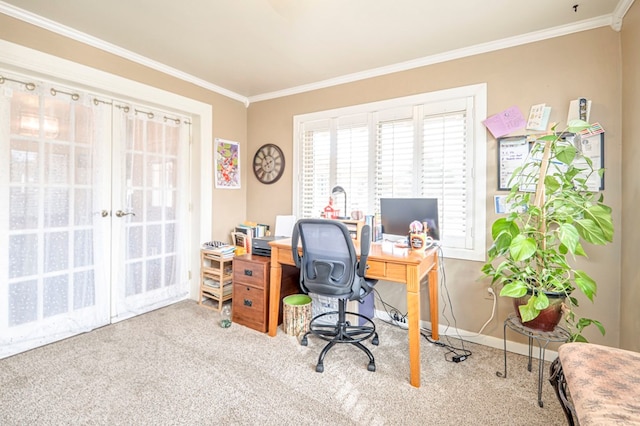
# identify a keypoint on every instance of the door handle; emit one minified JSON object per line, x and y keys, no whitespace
{"x":120,"y":213}
{"x":104,"y":213}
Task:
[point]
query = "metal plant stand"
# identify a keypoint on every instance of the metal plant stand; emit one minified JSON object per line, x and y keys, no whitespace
{"x":542,"y":338}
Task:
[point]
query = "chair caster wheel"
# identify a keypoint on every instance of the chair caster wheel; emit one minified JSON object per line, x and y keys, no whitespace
{"x":304,"y":341}
{"x":375,"y":341}
{"x":320,"y":368}
{"x":371,"y":366}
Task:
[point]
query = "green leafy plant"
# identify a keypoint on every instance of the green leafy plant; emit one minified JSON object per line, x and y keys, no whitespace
{"x":552,"y":214}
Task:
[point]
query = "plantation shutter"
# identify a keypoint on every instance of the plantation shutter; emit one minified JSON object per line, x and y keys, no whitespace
{"x":395,"y":150}
{"x":395,"y":159}
{"x":315,"y":167}
{"x":445,"y":170}
{"x":352,"y":163}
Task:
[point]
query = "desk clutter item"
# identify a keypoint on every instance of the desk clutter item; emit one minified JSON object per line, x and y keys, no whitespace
{"x":251,"y":277}
{"x":418,"y":237}
{"x":210,"y":245}
{"x":216,"y":279}
{"x":219,"y":248}
{"x":329,"y":211}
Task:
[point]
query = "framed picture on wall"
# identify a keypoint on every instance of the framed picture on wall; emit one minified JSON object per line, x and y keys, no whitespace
{"x":227,"y":164}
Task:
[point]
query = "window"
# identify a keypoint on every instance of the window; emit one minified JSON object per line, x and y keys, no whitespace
{"x":428,"y":145}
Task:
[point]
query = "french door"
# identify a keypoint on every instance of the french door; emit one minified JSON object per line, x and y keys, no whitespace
{"x":91,"y":212}
{"x":148,"y":210}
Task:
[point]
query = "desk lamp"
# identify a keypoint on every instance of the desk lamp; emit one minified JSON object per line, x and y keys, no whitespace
{"x":340,"y":190}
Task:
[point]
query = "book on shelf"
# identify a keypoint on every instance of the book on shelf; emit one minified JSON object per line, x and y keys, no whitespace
{"x":253,"y":229}
{"x":374,"y":225}
{"x":241,"y":239}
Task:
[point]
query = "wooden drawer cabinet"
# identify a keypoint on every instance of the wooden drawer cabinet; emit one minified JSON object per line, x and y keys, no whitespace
{"x":251,"y":290}
{"x":249,"y":306}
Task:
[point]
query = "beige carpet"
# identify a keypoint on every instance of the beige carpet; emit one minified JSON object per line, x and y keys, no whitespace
{"x":177,"y":366}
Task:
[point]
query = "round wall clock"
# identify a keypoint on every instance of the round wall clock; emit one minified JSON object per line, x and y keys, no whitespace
{"x":268,"y":163}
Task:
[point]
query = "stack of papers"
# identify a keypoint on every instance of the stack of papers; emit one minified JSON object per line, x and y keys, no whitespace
{"x":225,"y":251}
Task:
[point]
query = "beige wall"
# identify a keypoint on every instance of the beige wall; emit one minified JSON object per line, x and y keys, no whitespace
{"x":630,"y":280}
{"x":229,"y":116}
{"x":554,"y":72}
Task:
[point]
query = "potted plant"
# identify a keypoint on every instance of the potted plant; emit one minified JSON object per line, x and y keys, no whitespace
{"x":552,"y":213}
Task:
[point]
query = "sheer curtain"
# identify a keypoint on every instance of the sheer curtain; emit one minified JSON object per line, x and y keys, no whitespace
{"x":63,"y":249}
{"x":150,"y":166}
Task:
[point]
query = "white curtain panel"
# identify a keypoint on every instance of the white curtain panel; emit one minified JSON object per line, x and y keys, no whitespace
{"x":151,"y":168}
{"x":69,"y":161}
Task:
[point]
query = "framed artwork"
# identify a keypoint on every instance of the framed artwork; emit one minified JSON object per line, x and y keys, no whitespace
{"x":227,"y":164}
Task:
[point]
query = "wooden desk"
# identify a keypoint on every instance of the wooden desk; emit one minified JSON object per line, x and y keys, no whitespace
{"x":388,"y":263}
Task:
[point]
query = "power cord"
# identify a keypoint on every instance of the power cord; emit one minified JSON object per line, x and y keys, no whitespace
{"x":493,"y":312}
{"x":453,"y":354}
{"x":397,"y":318}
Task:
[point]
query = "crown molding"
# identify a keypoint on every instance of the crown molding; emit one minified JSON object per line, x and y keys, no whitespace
{"x":614,"y":20}
{"x":532,"y":37}
{"x":76,"y":35}
{"x":618,"y":14}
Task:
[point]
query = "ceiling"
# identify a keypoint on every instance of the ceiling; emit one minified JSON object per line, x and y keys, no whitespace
{"x":259,"y":49}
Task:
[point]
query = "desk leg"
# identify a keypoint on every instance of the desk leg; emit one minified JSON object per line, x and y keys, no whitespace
{"x":413,"y":306}
{"x":274,"y":293}
{"x":433,"y":300}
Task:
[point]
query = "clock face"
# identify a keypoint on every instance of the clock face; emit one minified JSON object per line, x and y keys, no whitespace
{"x":268,"y":163}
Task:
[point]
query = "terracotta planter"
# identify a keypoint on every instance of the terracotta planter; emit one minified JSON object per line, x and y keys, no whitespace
{"x":548,"y":318}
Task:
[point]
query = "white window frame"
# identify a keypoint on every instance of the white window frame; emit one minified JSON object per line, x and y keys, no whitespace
{"x":477,"y":154}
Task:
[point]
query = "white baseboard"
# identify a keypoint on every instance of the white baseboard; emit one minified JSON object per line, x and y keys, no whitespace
{"x":481,"y":339}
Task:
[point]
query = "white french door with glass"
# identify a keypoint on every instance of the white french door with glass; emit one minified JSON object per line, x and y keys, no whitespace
{"x":149,"y":210}
{"x":91,"y":211}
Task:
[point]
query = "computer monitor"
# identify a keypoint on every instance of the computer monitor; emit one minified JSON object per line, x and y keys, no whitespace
{"x":397,"y":213}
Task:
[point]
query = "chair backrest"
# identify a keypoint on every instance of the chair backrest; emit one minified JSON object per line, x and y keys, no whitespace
{"x":329,"y":263}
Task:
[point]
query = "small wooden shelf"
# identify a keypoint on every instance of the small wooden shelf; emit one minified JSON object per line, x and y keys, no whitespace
{"x":216,"y":279}
{"x":354,"y":227}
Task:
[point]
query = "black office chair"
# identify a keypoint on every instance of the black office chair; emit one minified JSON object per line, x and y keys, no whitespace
{"x":329,"y":267}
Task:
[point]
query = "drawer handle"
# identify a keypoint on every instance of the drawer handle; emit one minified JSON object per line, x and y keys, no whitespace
{"x":248,"y":272}
{"x":248,"y":302}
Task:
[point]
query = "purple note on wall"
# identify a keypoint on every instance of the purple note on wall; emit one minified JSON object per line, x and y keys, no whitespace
{"x":505,"y":122}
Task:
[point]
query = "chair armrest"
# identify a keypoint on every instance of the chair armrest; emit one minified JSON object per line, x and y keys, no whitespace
{"x":295,"y":236}
{"x":365,"y":245}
